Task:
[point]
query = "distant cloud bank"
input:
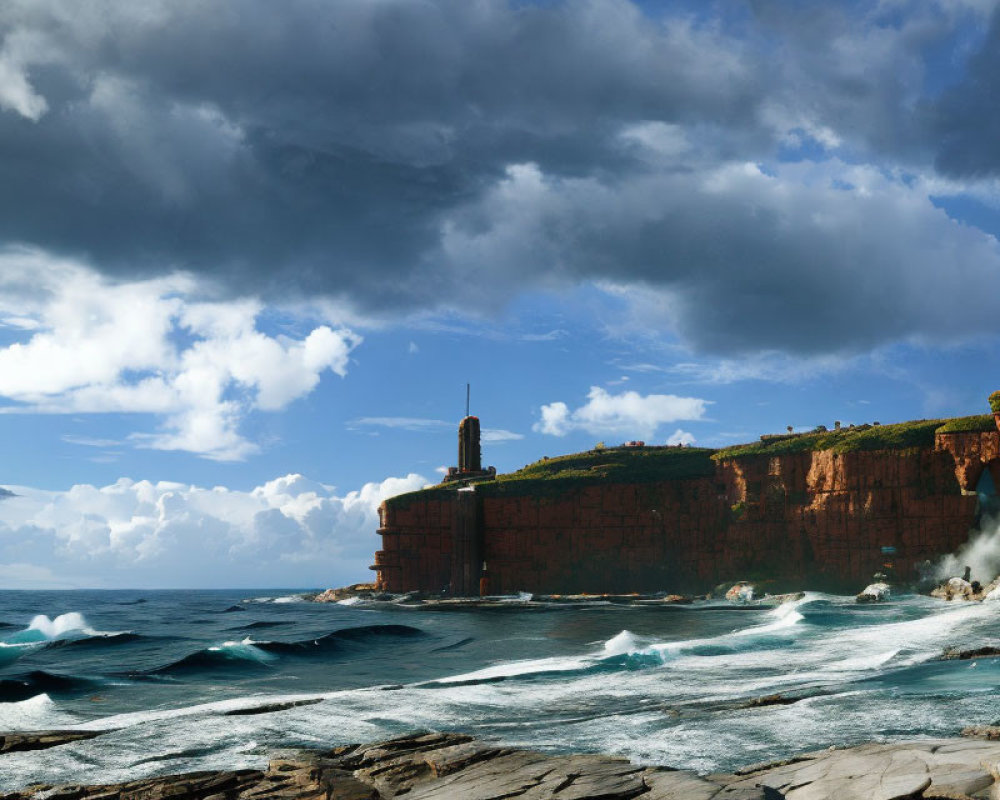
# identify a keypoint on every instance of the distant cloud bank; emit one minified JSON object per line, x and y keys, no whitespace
{"x":287,"y":532}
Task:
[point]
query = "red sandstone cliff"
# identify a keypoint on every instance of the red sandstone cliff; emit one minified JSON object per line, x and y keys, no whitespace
{"x":818,"y":519}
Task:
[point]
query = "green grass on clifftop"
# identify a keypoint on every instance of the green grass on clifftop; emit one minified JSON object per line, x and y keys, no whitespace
{"x":614,"y":464}
{"x":901,"y":436}
{"x":980,"y":423}
{"x":653,"y":464}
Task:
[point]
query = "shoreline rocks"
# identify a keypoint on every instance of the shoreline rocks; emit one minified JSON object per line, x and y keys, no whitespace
{"x":448,"y":766}
{"x":877,"y":592}
{"x":963,"y":590}
{"x":41,"y":740}
{"x":365,"y":590}
{"x":741,"y":592}
{"x":987,"y":651}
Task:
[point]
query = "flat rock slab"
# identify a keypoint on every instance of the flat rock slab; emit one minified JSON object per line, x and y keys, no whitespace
{"x":40,"y":740}
{"x":440,"y":766}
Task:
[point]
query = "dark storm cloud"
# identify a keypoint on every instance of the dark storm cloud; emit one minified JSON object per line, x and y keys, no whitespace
{"x":369,"y":150}
{"x":966,"y":118}
{"x":738,"y":261}
{"x":318,"y":142}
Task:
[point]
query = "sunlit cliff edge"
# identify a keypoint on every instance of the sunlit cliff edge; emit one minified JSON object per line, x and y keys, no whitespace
{"x":817,"y":510}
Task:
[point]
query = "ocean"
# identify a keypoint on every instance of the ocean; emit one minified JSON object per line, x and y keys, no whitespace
{"x":189,"y":680}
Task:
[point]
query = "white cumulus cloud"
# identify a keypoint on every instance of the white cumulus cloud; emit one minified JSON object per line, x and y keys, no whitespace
{"x":152,"y":346}
{"x":290,"y":531}
{"x":681,"y":437}
{"x":628,"y":413}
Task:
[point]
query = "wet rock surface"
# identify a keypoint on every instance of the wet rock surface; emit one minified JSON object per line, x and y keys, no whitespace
{"x":953,"y":653}
{"x":877,"y":592}
{"x":40,"y":740}
{"x":448,"y":766}
{"x":270,"y":708}
{"x":961,"y":589}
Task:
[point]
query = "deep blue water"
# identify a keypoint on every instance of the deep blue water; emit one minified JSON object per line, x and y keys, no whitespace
{"x":662,"y":684}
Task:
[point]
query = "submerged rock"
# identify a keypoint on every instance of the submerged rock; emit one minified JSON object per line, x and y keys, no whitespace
{"x":874,"y":593}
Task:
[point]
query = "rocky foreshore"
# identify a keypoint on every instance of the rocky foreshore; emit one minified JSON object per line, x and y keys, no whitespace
{"x":742,"y":593}
{"x":451,"y":766}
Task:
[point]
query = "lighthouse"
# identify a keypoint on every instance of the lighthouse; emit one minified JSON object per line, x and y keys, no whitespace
{"x":470,"y":460}
{"x":469,"y":453}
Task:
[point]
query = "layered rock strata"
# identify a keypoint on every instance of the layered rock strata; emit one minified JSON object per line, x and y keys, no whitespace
{"x":816,"y":519}
{"x":438,"y":766}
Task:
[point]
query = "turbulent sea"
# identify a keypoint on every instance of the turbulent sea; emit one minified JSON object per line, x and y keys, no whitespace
{"x":187,"y":680}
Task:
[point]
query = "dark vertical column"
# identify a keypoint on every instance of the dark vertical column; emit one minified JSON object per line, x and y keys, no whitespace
{"x":469,"y":455}
{"x":466,"y":544}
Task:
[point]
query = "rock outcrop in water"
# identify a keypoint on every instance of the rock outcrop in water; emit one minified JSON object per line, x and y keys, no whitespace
{"x":41,"y":740}
{"x":436,"y":766}
{"x":877,"y":592}
{"x":962,"y":590}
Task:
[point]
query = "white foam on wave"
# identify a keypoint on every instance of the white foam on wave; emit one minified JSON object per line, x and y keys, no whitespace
{"x":520,"y":597}
{"x":244,"y":649}
{"x":214,"y":708}
{"x":625,"y":643}
{"x":783,"y":617}
{"x":917,"y":639}
{"x":289,"y":598}
{"x":513,"y":669}
{"x":42,"y":628}
{"x":864,"y":662}
{"x":621,"y":644}
{"x":35,"y":713}
{"x":73,"y":622}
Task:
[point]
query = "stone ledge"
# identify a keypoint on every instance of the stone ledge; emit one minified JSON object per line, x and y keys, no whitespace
{"x":450,"y":766}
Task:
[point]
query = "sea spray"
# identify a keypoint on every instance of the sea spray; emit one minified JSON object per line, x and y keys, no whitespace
{"x":42,"y":631}
{"x":981,"y":553}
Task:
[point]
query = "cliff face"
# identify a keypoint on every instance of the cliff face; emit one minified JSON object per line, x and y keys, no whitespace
{"x":815,"y":518}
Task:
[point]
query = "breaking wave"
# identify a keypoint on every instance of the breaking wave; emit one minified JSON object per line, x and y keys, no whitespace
{"x":253,"y":654}
{"x":629,"y":651}
{"x":65,"y":630}
{"x":13,"y":690}
{"x":244,"y":653}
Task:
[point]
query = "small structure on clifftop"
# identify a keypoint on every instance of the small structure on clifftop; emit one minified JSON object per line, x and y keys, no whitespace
{"x":470,"y":462}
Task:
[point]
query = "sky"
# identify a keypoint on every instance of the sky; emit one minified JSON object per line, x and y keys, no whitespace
{"x":252,"y":252}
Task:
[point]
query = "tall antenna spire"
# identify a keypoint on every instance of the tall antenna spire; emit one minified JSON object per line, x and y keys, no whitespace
{"x":468,"y":392}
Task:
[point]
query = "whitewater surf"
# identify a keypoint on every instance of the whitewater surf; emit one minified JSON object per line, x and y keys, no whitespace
{"x":180,"y":681}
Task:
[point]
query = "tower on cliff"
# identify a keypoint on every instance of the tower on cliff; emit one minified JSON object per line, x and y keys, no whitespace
{"x":470,"y":462}
{"x":469,"y":453}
